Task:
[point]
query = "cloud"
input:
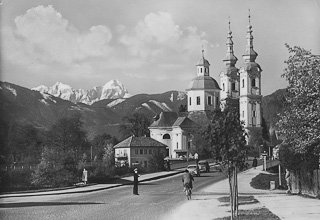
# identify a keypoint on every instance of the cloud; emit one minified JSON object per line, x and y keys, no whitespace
{"x":158,"y":36}
{"x":46,"y":37}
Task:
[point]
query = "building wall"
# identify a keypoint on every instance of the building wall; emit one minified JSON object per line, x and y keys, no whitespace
{"x":194,"y":95}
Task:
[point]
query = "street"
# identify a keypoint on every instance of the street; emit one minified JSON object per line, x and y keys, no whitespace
{"x":157,"y":199}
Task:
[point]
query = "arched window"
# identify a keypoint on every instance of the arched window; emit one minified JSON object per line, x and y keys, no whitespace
{"x":166,"y":136}
{"x":233,"y":86}
{"x":253,"y":82}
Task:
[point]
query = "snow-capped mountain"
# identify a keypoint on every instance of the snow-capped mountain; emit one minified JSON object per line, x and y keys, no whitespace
{"x":113,"y":89}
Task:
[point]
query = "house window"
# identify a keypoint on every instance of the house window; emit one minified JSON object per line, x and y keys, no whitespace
{"x":136,"y":151}
{"x":177,"y":145}
{"x":233,"y":86}
{"x":190,"y":101}
{"x":198,"y":100}
{"x":145,"y":151}
{"x":223,"y":87}
{"x":243,"y":83}
{"x":141,"y":151}
{"x":125,"y":152}
{"x":150,"y":151}
{"x":209,"y":100}
{"x":253,"y":83}
{"x":166,"y":136}
{"x":242,"y":114}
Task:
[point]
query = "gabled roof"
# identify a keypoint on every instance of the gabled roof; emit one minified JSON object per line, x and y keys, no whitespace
{"x":165,"y":119}
{"x":185,"y":123}
{"x":139,"y":142}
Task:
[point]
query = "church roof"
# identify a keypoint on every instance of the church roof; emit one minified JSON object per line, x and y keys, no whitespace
{"x":203,"y":82}
{"x":231,"y":72}
{"x":165,"y":119}
{"x":251,"y":65}
{"x":138,"y":142}
{"x":203,"y":62}
{"x":185,"y":123}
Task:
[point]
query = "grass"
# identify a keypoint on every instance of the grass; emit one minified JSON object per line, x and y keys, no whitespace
{"x":254,"y":214}
{"x":262,"y":181}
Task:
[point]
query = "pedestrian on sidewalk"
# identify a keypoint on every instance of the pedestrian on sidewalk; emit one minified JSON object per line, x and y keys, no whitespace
{"x":168,"y":164}
{"x":287,"y":177}
{"x":85,"y":176}
{"x":254,"y":162}
{"x":135,"y":181}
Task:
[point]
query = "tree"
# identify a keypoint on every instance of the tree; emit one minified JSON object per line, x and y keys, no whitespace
{"x":156,"y":161}
{"x":100,"y":142}
{"x":68,"y":139}
{"x":227,"y":138}
{"x":300,"y":120}
{"x":183,"y":108}
{"x":136,"y":124}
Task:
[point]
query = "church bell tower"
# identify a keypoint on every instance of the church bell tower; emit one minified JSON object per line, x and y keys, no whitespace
{"x":250,"y":89}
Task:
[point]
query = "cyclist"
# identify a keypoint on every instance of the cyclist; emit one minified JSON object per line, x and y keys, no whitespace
{"x":187,"y":179}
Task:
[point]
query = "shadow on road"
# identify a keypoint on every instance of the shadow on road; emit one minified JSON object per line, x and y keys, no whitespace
{"x":31,"y":204}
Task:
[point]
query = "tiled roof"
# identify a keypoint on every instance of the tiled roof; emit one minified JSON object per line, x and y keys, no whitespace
{"x":139,"y":142}
{"x":185,"y":122}
{"x":166,"y":119}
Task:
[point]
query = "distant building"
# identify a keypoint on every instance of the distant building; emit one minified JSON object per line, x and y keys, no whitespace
{"x":136,"y":151}
{"x":173,"y":131}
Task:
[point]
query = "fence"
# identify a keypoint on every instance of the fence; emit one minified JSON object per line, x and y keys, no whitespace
{"x":306,"y":183}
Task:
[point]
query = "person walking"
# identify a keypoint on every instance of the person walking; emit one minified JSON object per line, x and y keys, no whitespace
{"x":254,"y":162}
{"x":287,"y":177}
{"x":85,"y":176}
{"x":135,"y":181}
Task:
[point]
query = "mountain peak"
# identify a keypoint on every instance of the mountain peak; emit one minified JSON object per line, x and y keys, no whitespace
{"x":113,"y":89}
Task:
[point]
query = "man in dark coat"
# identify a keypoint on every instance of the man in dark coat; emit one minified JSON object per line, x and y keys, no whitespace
{"x":135,"y":181}
{"x":254,"y":162}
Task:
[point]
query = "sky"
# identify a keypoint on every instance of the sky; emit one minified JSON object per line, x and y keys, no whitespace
{"x":150,"y":46}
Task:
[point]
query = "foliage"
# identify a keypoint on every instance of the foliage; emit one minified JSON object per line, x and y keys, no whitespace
{"x":183,"y":108}
{"x":156,"y":161}
{"x":226,"y":136}
{"x":24,"y":144}
{"x":300,"y":120}
{"x":51,"y":173}
{"x":65,"y":142}
{"x":135,"y":124}
{"x":302,"y":101}
{"x":100,"y":142}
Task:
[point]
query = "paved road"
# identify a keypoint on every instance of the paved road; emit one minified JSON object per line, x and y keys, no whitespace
{"x":157,"y":199}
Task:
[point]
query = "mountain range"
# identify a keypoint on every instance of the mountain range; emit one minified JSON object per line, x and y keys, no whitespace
{"x":42,"y":110}
{"x":113,"y":89}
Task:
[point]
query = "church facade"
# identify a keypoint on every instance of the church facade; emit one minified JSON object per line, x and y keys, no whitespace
{"x":239,"y":86}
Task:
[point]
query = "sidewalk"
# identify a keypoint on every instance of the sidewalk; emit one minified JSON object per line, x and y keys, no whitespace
{"x":205,"y":204}
{"x":93,"y":187}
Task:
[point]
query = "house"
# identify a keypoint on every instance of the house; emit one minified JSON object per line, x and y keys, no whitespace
{"x":173,"y":131}
{"x":136,"y":151}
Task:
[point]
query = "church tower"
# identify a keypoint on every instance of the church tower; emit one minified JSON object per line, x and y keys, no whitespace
{"x":250,"y":89}
{"x":229,"y":77}
{"x":203,"y":91}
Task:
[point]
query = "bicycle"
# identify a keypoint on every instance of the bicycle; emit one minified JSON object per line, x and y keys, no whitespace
{"x":188,"y":191}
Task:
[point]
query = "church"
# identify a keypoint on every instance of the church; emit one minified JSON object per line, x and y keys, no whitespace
{"x":241,"y":86}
